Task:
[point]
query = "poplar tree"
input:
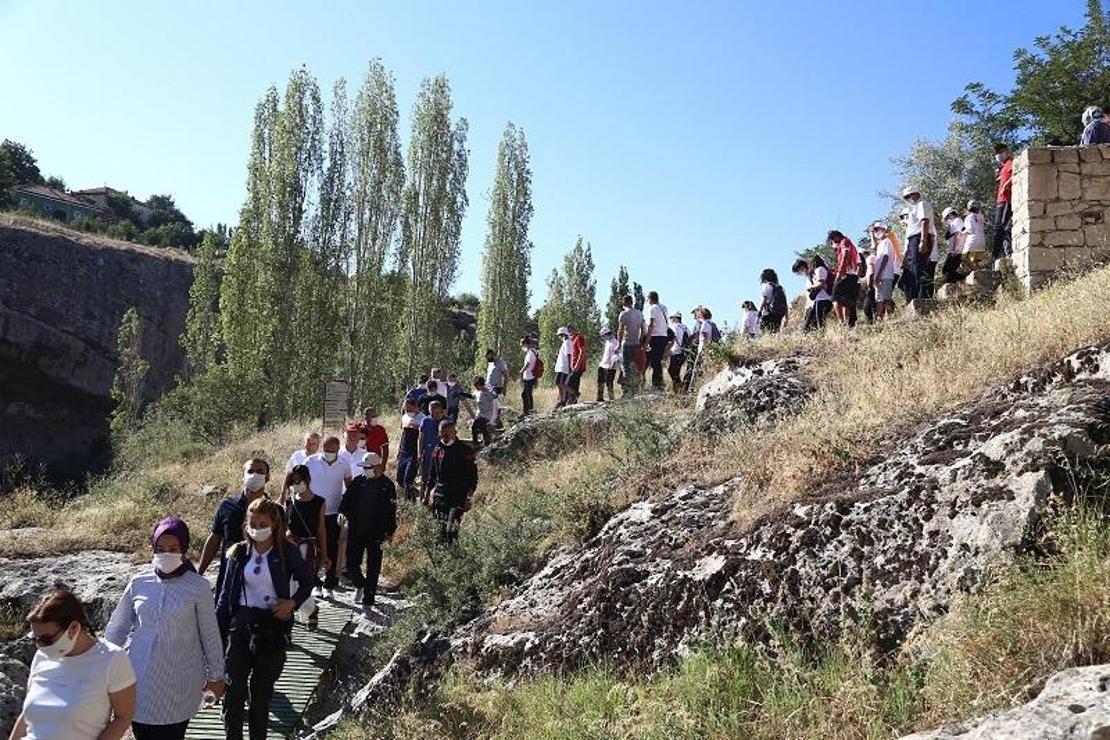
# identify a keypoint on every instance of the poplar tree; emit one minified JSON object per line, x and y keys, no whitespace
{"x":433,"y":203}
{"x":571,"y":301}
{"x":201,"y":339}
{"x":506,"y":260}
{"x":376,"y":177}
{"x":131,"y":369}
{"x":618,"y":289}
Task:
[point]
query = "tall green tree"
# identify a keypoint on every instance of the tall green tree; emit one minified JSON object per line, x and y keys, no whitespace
{"x":507,"y":258}
{"x":1055,"y":81}
{"x":201,"y":339}
{"x":7,"y":180}
{"x":618,"y":289}
{"x":376,"y":178}
{"x":433,"y":203}
{"x":23,"y":163}
{"x":131,"y":369}
{"x":571,"y":301}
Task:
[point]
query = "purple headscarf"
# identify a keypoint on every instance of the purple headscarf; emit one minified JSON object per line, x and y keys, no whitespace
{"x":175,"y":526}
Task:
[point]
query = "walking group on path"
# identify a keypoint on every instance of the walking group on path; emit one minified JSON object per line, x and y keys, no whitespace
{"x":171,"y":647}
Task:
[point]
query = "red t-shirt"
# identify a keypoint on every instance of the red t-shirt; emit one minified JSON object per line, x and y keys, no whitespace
{"x":1004,"y":176}
{"x":578,"y":353}
{"x":376,"y":438}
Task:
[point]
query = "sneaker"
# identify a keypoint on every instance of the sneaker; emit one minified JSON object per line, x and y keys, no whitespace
{"x":313,"y":620}
{"x":358,"y":595}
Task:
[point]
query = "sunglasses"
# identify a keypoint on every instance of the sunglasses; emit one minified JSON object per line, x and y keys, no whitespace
{"x":258,"y":565}
{"x":47,"y":640}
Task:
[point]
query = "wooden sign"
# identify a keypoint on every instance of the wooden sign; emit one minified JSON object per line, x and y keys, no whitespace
{"x":337,"y":396}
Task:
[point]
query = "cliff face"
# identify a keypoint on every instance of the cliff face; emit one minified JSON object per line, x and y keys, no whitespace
{"x":62,"y":296}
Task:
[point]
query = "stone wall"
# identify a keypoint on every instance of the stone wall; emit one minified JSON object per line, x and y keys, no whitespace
{"x":1061,"y":209}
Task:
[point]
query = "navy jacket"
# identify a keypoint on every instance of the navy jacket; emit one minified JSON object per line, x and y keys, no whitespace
{"x":237,"y":559}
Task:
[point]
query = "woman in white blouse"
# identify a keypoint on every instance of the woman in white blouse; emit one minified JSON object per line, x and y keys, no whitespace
{"x":167,"y":622}
{"x":80,"y":688}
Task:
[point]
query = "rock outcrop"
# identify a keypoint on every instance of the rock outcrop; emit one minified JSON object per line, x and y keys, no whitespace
{"x":62,"y":296}
{"x":756,"y":394}
{"x":1074,"y":705}
{"x":959,"y":496}
{"x":542,"y":436}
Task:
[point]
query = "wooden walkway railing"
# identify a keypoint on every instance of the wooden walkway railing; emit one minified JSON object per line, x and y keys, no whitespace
{"x":306,"y":660}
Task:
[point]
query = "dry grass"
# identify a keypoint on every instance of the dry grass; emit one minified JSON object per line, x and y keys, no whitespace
{"x":875,"y":381}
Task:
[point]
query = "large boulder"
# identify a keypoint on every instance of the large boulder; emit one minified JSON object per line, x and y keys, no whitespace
{"x":756,"y":394}
{"x":1074,"y":705}
{"x":959,"y":496}
{"x":542,"y":436}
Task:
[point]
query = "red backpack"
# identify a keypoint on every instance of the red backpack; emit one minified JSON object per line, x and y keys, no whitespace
{"x":537,"y":368}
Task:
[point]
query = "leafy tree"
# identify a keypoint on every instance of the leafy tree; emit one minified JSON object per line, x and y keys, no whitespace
{"x":433,"y":203}
{"x":56,"y":182}
{"x":571,"y":301}
{"x":618,"y":289}
{"x":506,"y":261}
{"x":7,"y":180}
{"x":23,"y":163}
{"x":637,"y":296}
{"x":131,"y":369}
{"x":1054,"y":82}
{"x":201,"y":339}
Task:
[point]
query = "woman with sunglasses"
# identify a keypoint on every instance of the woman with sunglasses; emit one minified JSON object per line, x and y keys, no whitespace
{"x":167,"y":621}
{"x":80,"y":688}
{"x":304,"y":514}
{"x":256,"y":601}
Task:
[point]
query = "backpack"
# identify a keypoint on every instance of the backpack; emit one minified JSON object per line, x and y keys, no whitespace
{"x":714,"y":332}
{"x":830,"y":280}
{"x":537,"y":368}
{"x":778,"y":302}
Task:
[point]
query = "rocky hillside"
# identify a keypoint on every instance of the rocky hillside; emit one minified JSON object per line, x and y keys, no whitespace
{"x":62,"y":296}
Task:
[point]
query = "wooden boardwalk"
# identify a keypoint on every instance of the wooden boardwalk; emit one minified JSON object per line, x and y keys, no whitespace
{"x":304,"y":663}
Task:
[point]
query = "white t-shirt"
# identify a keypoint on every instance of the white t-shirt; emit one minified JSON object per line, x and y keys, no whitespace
{"x":885,"y":249}
{"x":918,"y":213}
{"x":767,"y":294}
{"x":657,"y":314}
{"x":300,"y":457}
{"x":817,"y":279}
{"x":351,"y":460}
{"x":751,"y":323}
{"x":975,"y":238}
{"x":955,"y":235}
{"x":562,"y":360}
{"x":529,"y":370}
{"x":68,"y":698}
{"x":680,"y":332}
{"x":258,"y":588}
{"x":327,"y":480}
{"x":610,"y":354}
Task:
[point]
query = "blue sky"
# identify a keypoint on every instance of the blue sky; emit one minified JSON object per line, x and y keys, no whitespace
{"x":695,"y":142}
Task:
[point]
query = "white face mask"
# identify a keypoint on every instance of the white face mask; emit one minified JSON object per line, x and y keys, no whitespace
{"x":61,"y":647}
{"x":254,"y":481}
{"x":259,"y":535}
{"x":299,"y":488}
{"x":167,"y":562}
{"x":330,"y":457}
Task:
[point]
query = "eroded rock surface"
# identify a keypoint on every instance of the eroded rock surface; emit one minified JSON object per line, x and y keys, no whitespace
{"x":756,"y":394}
{"x":962,"y":494}
{"x":1074,"y":705}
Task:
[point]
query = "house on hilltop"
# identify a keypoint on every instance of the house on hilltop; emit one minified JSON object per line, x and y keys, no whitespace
{"x":104,"y":197}
{"x":56,"y":204}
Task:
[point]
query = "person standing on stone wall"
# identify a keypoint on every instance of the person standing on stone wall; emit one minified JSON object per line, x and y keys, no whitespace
{"x":630,"y":333}
{"x":1003,"y":211}
{"x":1096,"y":127}
{"x":921,"y":247}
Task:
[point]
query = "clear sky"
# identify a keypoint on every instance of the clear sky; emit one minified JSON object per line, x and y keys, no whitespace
{"x":695,"y":142}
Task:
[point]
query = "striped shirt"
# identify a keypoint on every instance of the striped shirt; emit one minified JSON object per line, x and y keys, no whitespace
{"x":168,"y":627}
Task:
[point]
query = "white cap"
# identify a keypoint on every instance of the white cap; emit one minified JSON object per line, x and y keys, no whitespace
{"x":910,"y":190}
{"x":949,"y":211}
{"x":904,"y":212}
{"x":369,"y":460}
{"x":563,"y":330}
{"x":879,"y":225}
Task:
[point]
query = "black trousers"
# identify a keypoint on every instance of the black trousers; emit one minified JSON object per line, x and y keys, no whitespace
{"x":674,"y":369}
{"x":1003,"y":220}
{"x":656,"y":347}
{"x":254,"y":667}
{"x":770,"y":324}
{"x":526,"y":395}
{"x":605,"y":380}
{"x":480,"y":426}
{"x":331,"y":526}
{"x":372,"y":549}
{"x":159,"y":732}
{"x":815,"y":315}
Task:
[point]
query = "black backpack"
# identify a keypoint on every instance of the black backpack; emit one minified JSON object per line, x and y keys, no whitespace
{"x":778,"y":302}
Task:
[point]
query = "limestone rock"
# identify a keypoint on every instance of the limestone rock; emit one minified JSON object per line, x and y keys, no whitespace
{"x":754,"y":394}
{"x":1074,"y":704}
{"x":97,"y":577}
{"x":957,"y":497}
{"x":542,"y":435}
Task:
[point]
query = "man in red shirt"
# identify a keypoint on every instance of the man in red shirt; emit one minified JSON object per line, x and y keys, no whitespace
{"x":845,"y":293}
{"x":1003,"y":211}
{"x":577,"y":363}
{"x":377,"y":439}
